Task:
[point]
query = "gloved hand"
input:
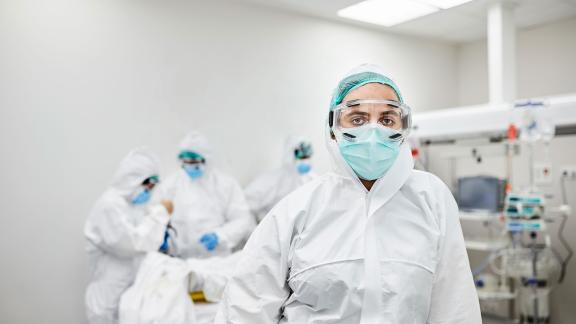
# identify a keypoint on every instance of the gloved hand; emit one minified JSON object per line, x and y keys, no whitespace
{"x":165,"y":247}
{"x":209,"y":240}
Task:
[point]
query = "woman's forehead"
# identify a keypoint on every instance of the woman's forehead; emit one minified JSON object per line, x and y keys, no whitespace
{"x":372,"y":91}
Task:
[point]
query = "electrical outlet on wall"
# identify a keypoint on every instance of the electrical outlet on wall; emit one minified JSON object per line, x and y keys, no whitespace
{"x":543,"y":173}
{"x":568,"y":171}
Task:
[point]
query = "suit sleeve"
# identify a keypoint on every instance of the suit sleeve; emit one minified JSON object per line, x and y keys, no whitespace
{"x":111,"y":231}
{"x":239,"y":221}
{"x":454,"y":297}
{"x":258,"y":289}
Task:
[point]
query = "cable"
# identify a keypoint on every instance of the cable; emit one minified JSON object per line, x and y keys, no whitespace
{"x":502,"y":270}
{"x":487,"y":261}
{"x":535,"y":278}
{"x":561,"y":233}
{"x":566,"y":246}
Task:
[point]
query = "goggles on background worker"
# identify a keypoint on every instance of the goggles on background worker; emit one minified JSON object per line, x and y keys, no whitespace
{"x":303,"y":151}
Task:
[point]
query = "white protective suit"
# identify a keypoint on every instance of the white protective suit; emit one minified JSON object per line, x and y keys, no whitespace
{"x":159,"y":294}
{"x":269,"y":188}
{"x":212,"y":203}
{"x":333,"y":252}
{"x":119,"y":233}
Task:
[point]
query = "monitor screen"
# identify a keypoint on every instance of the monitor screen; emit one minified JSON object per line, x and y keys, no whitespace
{"x":480,"y":193}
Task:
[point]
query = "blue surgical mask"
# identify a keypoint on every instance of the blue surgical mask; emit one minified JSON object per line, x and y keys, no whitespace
{"x":142,"y":197}
{"x":194,"y":171}
{"x":303,"y":167}
{"x":371,"y":153}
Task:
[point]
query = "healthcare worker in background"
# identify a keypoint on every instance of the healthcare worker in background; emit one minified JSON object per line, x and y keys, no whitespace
{"x":373,"y":242}
{"x":211,"y":216}
{"x":124,"y":224}
{"x":269,"y":188}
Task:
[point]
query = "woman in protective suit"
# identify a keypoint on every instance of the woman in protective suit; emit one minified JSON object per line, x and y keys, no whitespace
{"x":374,"y":241}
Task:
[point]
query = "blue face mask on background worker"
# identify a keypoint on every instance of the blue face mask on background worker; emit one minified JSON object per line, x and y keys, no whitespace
{"x":302,"y":154}
{"x":303,"y":167}
{"x":193,"y":163}
{"x":144,"y":193}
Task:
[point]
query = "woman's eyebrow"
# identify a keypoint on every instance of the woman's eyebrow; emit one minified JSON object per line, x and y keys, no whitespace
{"x":390,"y":112}
{"x":357,"y":112}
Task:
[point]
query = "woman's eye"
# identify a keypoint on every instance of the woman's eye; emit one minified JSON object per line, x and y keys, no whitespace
{"x":357,"y":121}
{"x":388,"y":122}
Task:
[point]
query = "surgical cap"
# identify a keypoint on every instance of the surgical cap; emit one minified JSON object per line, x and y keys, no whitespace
{"x":361,"y":75}
{"x":194,"y":143}
{"x":189,"y":155}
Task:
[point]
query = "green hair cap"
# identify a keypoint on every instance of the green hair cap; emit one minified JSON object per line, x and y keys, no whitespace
{"x":189,"y":155}
{"x":357,"y":80}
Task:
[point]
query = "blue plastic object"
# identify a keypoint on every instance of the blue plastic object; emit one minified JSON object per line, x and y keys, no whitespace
{"x":209,"y":240}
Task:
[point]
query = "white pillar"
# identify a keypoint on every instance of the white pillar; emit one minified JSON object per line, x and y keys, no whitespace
{"x":501,"y":52}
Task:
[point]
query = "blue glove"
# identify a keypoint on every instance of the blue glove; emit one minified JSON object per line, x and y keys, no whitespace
{"x":165,"y":247}
{"x":210,"y":241}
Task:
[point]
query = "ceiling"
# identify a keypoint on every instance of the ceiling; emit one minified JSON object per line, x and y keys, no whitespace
{"x":459,"y":24}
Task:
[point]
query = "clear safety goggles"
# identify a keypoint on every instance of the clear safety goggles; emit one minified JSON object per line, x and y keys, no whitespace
{"x":192,"y":162}
{"x":352,"y":114}
{"x":151,"y":182}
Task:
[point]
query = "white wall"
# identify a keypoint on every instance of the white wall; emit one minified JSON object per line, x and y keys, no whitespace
{"x":82,"y":82}
{"x":546,"y":65}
